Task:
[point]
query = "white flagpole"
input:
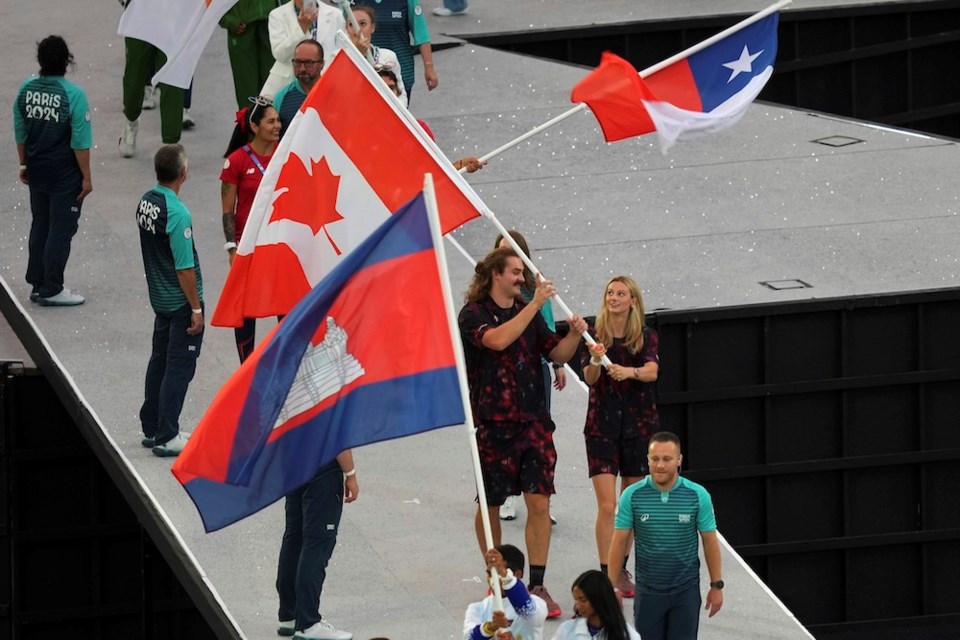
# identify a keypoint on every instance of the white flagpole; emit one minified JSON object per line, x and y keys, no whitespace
{"x":643,"y":74}
{"x":434,"y":216}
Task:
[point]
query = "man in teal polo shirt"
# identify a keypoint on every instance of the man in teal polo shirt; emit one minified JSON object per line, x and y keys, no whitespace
{"x":175,"y":285}
{"x":665,"y":512}
{"x":307,"y":67}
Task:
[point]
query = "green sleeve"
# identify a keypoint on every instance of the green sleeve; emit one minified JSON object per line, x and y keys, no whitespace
{"x":280,"y":95}
{"x":706,"y":520}
{"x":180,"y":231}
{"x":418,"y":23}
{"x":19,"y":126}
{"x":80,"y":128}
{"x":231,"y":19}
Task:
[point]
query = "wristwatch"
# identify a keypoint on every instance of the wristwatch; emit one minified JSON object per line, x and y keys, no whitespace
{"x":717,"y":585}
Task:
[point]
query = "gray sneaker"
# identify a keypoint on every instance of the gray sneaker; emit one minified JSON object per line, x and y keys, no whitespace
{"x":323,"y":630}
{"x":128,"y":141}
{"x":65,"y":298}
{"x":172,"y":447}
{"x":286,"y":628}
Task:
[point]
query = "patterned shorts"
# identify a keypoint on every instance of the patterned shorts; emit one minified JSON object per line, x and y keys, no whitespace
{"x":627,"y":457}
{"x":516,"y":457}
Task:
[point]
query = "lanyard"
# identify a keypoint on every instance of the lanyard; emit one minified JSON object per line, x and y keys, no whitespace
{"x":254,"y":157}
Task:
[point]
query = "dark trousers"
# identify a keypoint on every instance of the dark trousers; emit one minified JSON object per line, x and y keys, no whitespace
{"x":251,"y":60}
{"x":246,"y":338}
{"x":673,"y":616}
{"x":55,"y":220}
{"x":173,"y":361}
{"x":141,"y":57}
{"x":313,"y":519}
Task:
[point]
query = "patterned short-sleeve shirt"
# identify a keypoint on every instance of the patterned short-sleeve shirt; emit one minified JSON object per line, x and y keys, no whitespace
{"x":626,"y":409}
{"x":505,"y":385}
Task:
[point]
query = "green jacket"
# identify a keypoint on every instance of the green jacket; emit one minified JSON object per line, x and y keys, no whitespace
{"x":248,"y":11}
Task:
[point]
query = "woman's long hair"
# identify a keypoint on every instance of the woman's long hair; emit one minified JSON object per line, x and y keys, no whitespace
{"x":598,"y":590}
{"x":633,"y":339}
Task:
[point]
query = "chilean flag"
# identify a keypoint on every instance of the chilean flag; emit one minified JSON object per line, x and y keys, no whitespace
{"x":366,"y":356}
{"x":350,"y":157}
{"x":702,"y":93}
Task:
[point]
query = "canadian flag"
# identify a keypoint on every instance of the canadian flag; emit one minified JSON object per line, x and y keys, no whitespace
{"x":351,"y":156}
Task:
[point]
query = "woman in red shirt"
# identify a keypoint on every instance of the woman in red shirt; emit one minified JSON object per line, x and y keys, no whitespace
{"x":248,"y":154}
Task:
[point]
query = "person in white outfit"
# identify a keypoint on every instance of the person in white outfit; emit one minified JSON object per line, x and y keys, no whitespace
{"x":289,"y":25}
{"x":599,"y":611}
{"x":523,"y":615}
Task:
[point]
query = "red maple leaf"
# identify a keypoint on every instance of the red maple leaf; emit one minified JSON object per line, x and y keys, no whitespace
{"x":310,"y":198}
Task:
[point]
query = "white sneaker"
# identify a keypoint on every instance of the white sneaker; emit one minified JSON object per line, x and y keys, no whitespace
{"x":286,"y":627}
{"x":65,"y":298}
{"x":172,"y":447}
{"x":509,"y":510}
{"x":188,"y":122}
{"x":149,"y":99}
{"x":443,"y":12}
{"x":323,"y":630}
{"x":128,"y":141}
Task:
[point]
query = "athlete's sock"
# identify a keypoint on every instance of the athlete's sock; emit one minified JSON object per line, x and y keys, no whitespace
{"x":536,"y":574}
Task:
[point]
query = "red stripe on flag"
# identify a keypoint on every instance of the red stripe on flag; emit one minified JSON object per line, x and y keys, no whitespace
{"x":615,"y":93}
{"x":410,"y":349}
{"x":259,"y":284}
{"x":675,"y":84}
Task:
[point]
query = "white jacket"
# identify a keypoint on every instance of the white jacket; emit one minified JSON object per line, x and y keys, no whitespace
{"x":286,"y":34}
{"x":527,"y":622}
{"x":576,"y":629}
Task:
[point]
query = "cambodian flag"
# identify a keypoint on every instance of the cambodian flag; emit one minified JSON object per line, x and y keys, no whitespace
{"x":366,"y":356}
{"x":703,"y":92}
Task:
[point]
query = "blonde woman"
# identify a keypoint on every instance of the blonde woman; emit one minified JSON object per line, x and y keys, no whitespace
{"x":622,"y":410}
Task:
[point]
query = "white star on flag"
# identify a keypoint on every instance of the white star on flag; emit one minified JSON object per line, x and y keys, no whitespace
{"x":743,"y":64}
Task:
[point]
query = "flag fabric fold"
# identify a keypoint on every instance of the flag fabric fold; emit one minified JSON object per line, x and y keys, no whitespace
{"x":703,"y":93}
{"x":350,"y":156}
{"x":366,"y":356}
{"x":179,"y":28}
